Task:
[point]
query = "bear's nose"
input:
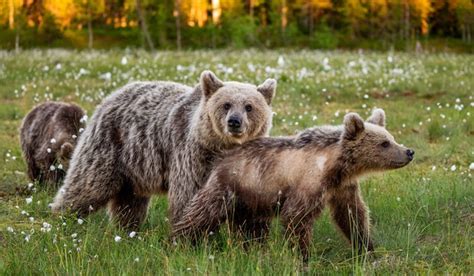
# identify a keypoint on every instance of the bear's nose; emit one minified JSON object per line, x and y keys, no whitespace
{"x":410,"y":153}
{"x":234,"y":122}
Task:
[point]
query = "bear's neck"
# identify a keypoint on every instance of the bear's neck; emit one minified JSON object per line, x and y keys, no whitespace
{"x":342,"y":169}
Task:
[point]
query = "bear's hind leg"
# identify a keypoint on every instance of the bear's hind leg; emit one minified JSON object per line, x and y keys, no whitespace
{"x":128,"y":209}
{"x":298,"y":214}
{"x":85,"y":193}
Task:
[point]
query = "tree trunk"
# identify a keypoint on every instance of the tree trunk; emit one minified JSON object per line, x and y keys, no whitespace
{"x":407,"y":20}
{"x":284,"y":16}
{"x":310,"y":18}
{"x":141,"y":17}
{"x":89,"y":25}
{"x":11,"y":14}
{"x":251,"y":8}
{"x":17,"y":42}
{"x":177,"y":15}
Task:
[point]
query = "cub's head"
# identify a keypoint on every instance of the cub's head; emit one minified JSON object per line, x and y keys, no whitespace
{"x":238,"y":112}
{"x":370,"y":147}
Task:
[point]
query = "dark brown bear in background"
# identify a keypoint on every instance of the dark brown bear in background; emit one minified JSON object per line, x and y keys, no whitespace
{"x":48,"y":135}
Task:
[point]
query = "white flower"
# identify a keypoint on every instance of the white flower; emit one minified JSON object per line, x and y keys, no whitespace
{"x":52,"y":168}
{"x":10,"y":229}
{"x":132,"y":234}
{"x":30,"y":185}
{"x":433,"y":168}
{"x":48,"y":150}
{"x":80,"y":221}
{"x":136,"y":260}
{"x":27,"y":238}
{"x":398,"y":198}
{"x":211,"y":257}
{"x":74,"y":235}
{"x":81,"y":130}
{"x":471,"y":166}
{"x":74,"y":136}
{"x":453,"y":168}
{"x":53,"y":141}
{"x":58,"y":66}
{"x":46,"y":227}
{"x":106,"y":76}
{"x":29,"y":200}
{"x":124,"y":60}
{"x":83,"y":119}
{"x":60,"y":166}
{"x":281,"y":61}
{"x":117,"y":239}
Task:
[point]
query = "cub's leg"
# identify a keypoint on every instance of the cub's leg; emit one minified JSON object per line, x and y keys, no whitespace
{"x":298,"y":214}
{"x":128,"y":209}
{"x":254,"y":225}
{"x":351,"y":216}
{"x":206,"y":211}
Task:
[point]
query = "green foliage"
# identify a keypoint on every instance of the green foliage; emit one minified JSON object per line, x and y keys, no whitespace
{"x":324,"y":38}
{"x":240,"y":31}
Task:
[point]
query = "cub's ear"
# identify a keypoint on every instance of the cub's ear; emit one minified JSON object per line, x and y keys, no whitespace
{"x":268,"y":89}
{"x":66,"y":151}
{"x":377,"y":117}
{"x":353,"y":126}
{"x":210,"y":83}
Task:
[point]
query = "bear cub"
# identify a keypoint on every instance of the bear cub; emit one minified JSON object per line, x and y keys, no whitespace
{"x":296,"y":177}
{"x":48,"y":135}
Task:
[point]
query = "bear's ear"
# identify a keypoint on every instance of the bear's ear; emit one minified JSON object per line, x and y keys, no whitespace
{"x":353,"y":126}
{"x":210,"y":83}
{"x":377,"y":117}
{"x":268,"y":88}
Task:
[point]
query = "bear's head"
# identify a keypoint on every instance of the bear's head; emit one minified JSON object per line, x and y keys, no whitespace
{"x":369,"y":146}
{"x":237,"y":112}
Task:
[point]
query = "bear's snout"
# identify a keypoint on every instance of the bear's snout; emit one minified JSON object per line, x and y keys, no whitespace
{"x":410,"y":154}
{"x":234,"y":123}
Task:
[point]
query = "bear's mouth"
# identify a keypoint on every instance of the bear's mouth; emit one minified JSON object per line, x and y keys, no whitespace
{"x":399,"y":164}
{"x":235,"y":132}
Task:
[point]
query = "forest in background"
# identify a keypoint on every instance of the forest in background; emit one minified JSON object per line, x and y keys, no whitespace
{"x":186,"y":24}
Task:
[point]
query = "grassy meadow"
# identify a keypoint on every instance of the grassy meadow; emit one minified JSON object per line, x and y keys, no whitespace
{"x":422,"y":215}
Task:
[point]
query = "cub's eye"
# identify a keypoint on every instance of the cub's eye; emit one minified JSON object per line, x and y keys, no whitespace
{"x":248,"y":108}
{"x":385,"y":144}
{"x":227,"y":106}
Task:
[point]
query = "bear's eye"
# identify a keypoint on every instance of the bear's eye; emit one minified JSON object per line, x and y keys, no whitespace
{"x":385,"y":144}
{"x":248,"y":108}
{"x":227,"y":106}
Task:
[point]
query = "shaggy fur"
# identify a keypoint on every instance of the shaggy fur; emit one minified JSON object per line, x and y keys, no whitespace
{"x":48,"y":135}
{"x":297,"y":176}
{"x":152,"y":137}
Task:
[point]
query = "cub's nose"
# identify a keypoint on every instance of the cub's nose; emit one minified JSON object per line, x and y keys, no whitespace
{"x":410,"y":153}
{"x":234,"y":122}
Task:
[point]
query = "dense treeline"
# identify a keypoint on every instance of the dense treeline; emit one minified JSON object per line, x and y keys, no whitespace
{"x":237,"y":23}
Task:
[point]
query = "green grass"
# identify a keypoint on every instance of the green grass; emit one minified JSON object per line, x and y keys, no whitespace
{"x":422,"y":215}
